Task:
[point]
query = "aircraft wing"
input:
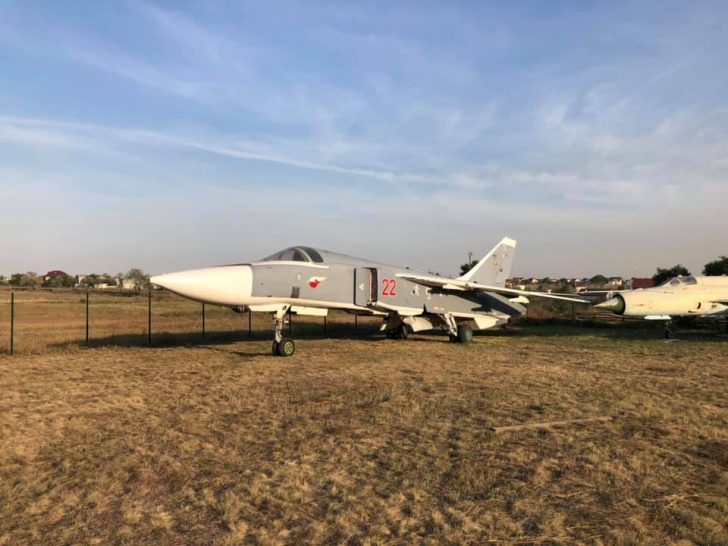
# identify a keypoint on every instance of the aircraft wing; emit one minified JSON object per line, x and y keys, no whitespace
{"x":469,"y":286}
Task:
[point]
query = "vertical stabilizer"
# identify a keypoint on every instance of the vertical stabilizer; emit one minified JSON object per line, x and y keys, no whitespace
{"x":495,"y":267}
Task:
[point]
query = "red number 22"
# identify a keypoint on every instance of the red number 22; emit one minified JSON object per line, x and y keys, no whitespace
{"x":390,"y":285}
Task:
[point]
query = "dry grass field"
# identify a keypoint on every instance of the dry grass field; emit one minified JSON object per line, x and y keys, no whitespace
{"x":354,"y":440}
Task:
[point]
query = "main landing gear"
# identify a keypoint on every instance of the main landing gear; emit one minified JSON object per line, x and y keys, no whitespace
{"x":669,"y":331}
{"x":282,"y":346}
{"x":400,"y":332}
{"x":458,"y":333}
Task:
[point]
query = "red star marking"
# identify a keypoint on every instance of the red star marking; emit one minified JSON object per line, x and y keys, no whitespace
{"x":314,"y":283}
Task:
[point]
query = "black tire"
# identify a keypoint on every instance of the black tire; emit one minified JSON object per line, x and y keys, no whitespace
{"x":275,"y":349}
{"x":286,"y":347}
{"x":465,"y":334}
{"x":453,"y":338}
{"x":403,"y":331}
{"x":669,"y":334}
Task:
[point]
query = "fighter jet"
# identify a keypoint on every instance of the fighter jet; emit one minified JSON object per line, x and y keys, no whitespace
{"x":688,"y":296}
{"x":310,"y":281}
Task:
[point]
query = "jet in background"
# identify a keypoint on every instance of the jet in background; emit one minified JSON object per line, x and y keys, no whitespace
{"x":689,"y":296}
{"x":309,"y":281}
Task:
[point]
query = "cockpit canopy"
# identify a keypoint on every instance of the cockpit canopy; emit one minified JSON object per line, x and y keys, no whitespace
{"x":677,"y":281}
{"x":295,"y":254}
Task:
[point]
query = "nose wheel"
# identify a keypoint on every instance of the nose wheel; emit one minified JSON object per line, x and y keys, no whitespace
{"x":282,"y":346}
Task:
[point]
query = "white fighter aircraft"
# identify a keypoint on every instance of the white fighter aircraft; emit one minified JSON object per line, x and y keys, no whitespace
{"x":689,"y":296}
{"x":310,"y":281}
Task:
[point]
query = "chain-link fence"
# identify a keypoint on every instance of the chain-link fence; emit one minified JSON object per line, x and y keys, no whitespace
{"x":41,"y":320}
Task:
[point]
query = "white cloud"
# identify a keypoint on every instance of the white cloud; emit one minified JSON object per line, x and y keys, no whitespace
{"x":599,"y":142}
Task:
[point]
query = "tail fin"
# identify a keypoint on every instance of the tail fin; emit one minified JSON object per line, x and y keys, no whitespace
{"x":495,"y":267}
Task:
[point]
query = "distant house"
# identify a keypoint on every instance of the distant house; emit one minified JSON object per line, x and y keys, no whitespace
{"x":128,"y":284}
{"x":516,"y":283}
{"x":579,"y":284}
{"x":639,"y":282}
{"x":616,"y":282}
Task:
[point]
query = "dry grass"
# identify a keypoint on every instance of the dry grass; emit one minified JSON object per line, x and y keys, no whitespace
{"x":365,"y":441}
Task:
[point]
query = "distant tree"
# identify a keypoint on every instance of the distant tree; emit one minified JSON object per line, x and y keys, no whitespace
{"x":105,"y":278}
{"x":464,"y":268}
{"x":90,"y":280}
{"x":716,"y":267}
{"x":60,"y":281}
{"x":564,"y":287}
{"x":119,"y":278}
{"x":3,"y":280}
{"x":27,"y":280}
{"x":664,"y":274}
{"x":598,"y":280}
{"x":139,"y":278}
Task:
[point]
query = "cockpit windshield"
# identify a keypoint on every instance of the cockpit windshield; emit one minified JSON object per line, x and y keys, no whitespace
{"x":677,"y":281}
{"x":295,"y":254}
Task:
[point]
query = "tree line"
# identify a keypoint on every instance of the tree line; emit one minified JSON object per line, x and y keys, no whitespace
{"x":135,"y":278}
{"x":714,"y":268}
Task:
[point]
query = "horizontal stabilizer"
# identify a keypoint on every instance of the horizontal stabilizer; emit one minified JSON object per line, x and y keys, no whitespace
{"x":445,"y":283}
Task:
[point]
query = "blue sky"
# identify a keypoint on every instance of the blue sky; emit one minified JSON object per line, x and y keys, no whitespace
{"x":170,"y":135}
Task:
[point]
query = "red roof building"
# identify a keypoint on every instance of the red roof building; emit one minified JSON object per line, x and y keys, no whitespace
{"x":637,"y":282}
{"x":55,"y":273}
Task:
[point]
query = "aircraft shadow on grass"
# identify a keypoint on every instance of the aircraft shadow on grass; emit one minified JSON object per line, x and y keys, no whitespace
{"x":370,"y":333}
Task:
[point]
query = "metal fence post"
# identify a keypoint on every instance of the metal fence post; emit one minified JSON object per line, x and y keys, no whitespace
{"x":87,"y":291}
{"x":149,"y":317}
{"x":12,"y":322}
{"x":203,"y":321}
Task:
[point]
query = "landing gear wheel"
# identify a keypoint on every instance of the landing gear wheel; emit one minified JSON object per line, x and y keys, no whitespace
{"x":669,"y":333}
{"x":403,"y":331}
{"x":284,"y":347}
{"x":465,"y":334}
{"x":453,"y":338}
{"x":400,"y":332}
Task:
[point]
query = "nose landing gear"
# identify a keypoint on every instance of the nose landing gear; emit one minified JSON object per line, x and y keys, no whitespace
{"x":282,"y":346}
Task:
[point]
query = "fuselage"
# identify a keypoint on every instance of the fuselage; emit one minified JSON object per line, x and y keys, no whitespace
{"x":681,"y":296}
{"x":310,"y":279}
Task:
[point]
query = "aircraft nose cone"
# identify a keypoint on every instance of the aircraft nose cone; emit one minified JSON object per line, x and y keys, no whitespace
{"x":614,"y":305}
{"x":227,"y":285}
